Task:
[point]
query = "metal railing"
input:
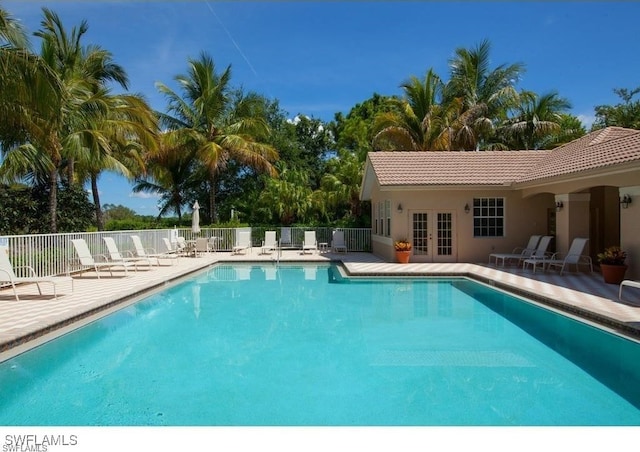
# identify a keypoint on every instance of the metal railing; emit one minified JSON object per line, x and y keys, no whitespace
{"x":53,"y":254}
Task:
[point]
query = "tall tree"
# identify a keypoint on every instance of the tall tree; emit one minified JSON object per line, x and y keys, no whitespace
{"x":485,"y":93}
{"x":536,"y":119}
{"x":413,"y":125}
{"x":625,"y":114}
{"x":64,"y":113}
{"x":219,"y":130}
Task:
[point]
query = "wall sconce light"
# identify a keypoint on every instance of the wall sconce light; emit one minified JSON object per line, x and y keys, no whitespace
{"x":467,"y":209}
{"x":399,"y":208}
{"x":559,"y":206}
{"x":625,"y":201}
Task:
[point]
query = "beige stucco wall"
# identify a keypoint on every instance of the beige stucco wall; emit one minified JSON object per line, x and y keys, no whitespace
{"x":630,"y":231}
{"x":523,"y":218}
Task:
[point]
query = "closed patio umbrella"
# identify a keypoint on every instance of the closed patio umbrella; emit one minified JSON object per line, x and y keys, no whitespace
{"x":195,"y":219}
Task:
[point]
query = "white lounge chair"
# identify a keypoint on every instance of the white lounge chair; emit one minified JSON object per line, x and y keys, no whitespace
{"x":518,"y":253}
{"x":540,"y":254}
{"x":310,"y":242}
{"x":337,"y":242}
{"x":243,"y":242}
{"x":8,"y":275}
{"x":270,"y":243}
{"x":86,"y":259}
{"x":150,"y":253}
{"x":285,"y":238}
{"x":116,"y":256}
{"x":573,"y":257}
{"x":627,"y":282}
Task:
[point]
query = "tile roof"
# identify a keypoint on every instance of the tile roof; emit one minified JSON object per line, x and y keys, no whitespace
{"x":453,"y":168}
{"x":599,"y":149}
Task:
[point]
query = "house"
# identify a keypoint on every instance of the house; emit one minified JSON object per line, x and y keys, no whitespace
{"x":462,"y":206}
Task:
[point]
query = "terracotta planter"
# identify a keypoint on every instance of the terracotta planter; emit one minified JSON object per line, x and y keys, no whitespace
{"x":403,"y":256}
{"x":613,"y":274}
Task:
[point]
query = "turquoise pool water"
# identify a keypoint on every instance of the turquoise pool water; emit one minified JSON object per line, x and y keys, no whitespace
{"x":293,"y":345}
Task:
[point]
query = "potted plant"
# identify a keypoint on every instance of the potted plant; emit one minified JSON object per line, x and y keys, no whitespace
{"x":612,"y":264}
{"x":403,"y":251}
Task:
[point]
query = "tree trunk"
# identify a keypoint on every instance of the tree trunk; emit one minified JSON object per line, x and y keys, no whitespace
{"x":96,"y":202}
{"x":53,"y":200}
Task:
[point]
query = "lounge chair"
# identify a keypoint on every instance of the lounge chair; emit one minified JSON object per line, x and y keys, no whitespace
{"x":310,"y":242}
{"x":630,"y":283}
{"x":270,"y":243}
{"x":243,"y":242}
{"x":150,"y":253}
{"x":8,"y":275}
{"x":116,"y":256}
{"x":87,"y":260}
{"x":540,"y":254}
{"x":337,"y":242}
{"x":285,"y":238}
{"x":518,"y":253}
{"x":573,"y":257}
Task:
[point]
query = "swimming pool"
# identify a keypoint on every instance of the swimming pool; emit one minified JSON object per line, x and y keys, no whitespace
{"x":300,"y":345}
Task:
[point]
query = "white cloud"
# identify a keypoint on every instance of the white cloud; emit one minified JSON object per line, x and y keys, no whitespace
{"x":587,"y":120}
{"x":143,"y":195}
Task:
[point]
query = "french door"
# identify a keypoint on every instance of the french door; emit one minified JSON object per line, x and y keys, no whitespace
{"x":433,"y":236}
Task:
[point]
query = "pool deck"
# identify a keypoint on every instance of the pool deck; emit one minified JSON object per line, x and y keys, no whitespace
{"x":37,"y":318}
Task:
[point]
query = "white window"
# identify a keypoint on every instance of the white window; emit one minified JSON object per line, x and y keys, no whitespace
{"x":488,"y":217}
{"x":387,"y":214}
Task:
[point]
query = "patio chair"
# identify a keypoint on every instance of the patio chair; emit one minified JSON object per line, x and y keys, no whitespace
{"x":310,"y":242}
{"x":201,"y":245}
{"x":627,"y":282}
{"x":285,"y":238}
{"x":87,"y":260}
{"x":518,"y":253}
{"x":150,"y":253}
{"x":270,"y":243}
{"x":337,"y":242}
{"x":573,"y":257}
{"x":8,"y":275}
{"x":540,"y":254}
{"x":116,"y":256}
{"x":243,"y":242}
{"x":184,"y":248}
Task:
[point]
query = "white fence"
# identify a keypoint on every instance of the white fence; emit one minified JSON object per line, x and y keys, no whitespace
{"x":53,"y":254}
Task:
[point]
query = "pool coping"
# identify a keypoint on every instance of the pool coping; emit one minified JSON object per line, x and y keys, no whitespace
{"x":626,"y":329}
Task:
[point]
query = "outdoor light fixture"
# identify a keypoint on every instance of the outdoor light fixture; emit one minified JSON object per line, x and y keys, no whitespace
{"x":466,"y":208}
{"x":625,"y":201}
{"x":399,"y":208}
{"x":559,"y":206}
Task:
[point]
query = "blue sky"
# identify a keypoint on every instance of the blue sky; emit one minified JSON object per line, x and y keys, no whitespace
{"x":319,"y":58}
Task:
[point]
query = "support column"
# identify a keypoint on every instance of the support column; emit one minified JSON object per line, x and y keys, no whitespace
{"x":572,"y":219}
{"x":629,"y":237}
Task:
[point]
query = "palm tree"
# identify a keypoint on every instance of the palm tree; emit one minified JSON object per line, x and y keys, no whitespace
{"x":218,"y":129}
{"x":116,"y":140}
{"x":413,"y":124}
{"x":289,"y":197}
{"x":341,"y":183}
{"x":536,"y":119}
{"x":68,"y":115}
{"x":170,"y":174}
{"x":485,"y":93}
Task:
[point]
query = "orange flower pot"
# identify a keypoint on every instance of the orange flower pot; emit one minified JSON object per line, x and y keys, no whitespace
{"x":403,"y":256}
